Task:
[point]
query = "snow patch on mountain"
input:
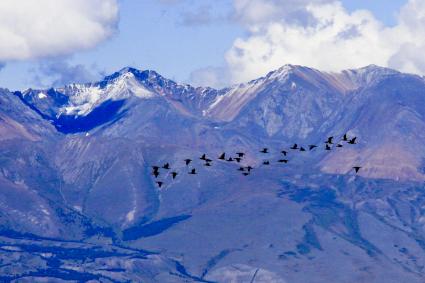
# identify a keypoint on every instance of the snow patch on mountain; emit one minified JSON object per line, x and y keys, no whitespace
{"x":42,"y":95}
{"x":130,"y":215}
{"x":85,"y":98}
{"x":368,"y":75}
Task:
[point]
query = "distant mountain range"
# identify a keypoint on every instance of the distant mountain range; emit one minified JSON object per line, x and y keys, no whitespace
{"x":78,"y":200}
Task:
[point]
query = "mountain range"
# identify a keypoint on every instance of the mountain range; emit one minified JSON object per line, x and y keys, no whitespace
{"x":78,"y":200}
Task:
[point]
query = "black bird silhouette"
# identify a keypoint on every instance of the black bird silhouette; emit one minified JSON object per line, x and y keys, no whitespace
{"x":295,"y":146}
{"x":155,"y":173}
{"x":266,"y":162}
{"x":327,"y":147}
{"x":241,"y":169}
{"x":222,"y":156}
{"x":155,"y":168}
{"x":174,"y":174}
{"x":245,"y":173}
{"x":330,"y":140}
{"x":192,"y":172}
{"x":312,"y":146}
{"x":345,"y":138}
{"x":187,"y":161}
{"x":207,"y":164}
{"x":284,"y":152}
{"x":282,"y":161}
{"x":352,"y":141}
{"x":264,"y":150}
{"x":230,"y":159}
{"x":302,"y":149}
{"x":160,"y":183}
{"x":208,"y":160}
{"x":249,"y":168}
{"x":240,"y":154}
{"x":339,"y":145}
{"x":166,"y":166}
{"x":238,"y":159}
{"x":357,"y":168}
{"x":203,"y":157}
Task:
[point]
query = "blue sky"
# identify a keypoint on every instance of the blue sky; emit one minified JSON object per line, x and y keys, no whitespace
{"x":174,"y":37}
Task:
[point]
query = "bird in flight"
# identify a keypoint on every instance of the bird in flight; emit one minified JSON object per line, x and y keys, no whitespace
{"x":166,"y":166}
{"x":352,"y":141}
{"x":357,"y":168}
{"x":246,"y":170}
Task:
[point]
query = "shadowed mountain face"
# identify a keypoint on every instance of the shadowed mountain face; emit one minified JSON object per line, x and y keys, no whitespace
{"x":76,"y":179}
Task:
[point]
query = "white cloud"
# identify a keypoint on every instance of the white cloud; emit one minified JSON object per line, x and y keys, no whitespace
{"x":409,"y":37}
{"x":215,"y":77}
{"x":46,"y":28}
{"x":252,"y":13}
{"x":59,"y":72}
{"x":323,"y":35}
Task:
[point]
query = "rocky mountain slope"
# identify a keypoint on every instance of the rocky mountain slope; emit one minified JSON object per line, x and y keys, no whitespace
{"x":78,"y":200}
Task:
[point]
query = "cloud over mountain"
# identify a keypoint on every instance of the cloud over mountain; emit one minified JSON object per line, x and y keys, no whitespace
{"x":59,"y":72}
{"x":323,"y":34}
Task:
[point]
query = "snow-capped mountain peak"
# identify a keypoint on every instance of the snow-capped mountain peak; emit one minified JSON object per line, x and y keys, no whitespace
{"x":87,"y":97}
{"x":368,"y":74}
{"x":282,"y":72}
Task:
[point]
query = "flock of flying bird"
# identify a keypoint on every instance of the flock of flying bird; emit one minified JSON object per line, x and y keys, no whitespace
{"x":246,"y":170}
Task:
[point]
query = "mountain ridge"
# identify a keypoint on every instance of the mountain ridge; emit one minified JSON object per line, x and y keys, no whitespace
{"x":157,"y":84}
{"x":76,"y":179}
{"x":290,"y":103}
